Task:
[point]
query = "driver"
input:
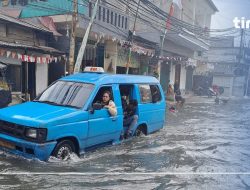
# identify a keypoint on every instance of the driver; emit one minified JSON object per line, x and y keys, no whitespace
{"x":108,"y":103}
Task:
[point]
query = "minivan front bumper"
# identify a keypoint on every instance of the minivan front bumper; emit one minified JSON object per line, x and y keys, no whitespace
{"x":41,"y":151}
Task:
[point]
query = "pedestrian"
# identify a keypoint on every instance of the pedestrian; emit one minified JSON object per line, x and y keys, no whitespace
{"x":178,"y":98}
{"x":170,"y":98}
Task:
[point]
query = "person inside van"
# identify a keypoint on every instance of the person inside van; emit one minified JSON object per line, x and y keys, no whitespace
{"x":130,"y":117}
{"x":108,"y":103}
{"x":144,"y":96}
{"x":155,"y":94}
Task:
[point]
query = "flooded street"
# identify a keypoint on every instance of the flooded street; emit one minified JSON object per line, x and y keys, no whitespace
{"x":203,"y":146}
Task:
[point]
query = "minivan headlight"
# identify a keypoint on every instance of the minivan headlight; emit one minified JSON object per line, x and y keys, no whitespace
{"x":37,"y":134}
{"x":31,"y":133}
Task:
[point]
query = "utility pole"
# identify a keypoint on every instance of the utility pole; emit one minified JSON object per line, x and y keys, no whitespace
{"x":130,"y":49}
{"x":247,"y":83}
{"x":85,"y":39}
{"x":168,"y":23}
{"x":241,"y":44}
{"x":73,"y":37}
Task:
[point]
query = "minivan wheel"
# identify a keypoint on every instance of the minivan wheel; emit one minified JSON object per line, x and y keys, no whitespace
{"x":63,"y":150}
{"x":139,"y":131}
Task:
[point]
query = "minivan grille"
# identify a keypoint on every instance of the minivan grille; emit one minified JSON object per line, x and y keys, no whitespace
{"x":12,"y":129}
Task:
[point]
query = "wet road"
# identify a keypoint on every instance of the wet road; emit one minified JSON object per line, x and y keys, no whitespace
{"x":203,"y":146}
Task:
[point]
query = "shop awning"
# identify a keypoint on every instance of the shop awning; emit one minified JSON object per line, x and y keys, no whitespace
{"x":142,"y":50}
{"x":10,"y":61}
{"x":2,"y":65}
{"x":51,"y":7}
{"x":43,"y":49}
{"x":188,"y":41}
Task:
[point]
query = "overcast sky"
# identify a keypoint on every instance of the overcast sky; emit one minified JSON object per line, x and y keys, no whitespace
{"x":228,"y":10}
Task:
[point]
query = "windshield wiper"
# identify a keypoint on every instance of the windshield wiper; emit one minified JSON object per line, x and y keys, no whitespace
{"x":47,"y":102}
{"x":56,"y":104}
{"x":71,"y":106}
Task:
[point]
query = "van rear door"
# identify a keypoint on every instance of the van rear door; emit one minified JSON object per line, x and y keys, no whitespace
{"x":151,"y":106}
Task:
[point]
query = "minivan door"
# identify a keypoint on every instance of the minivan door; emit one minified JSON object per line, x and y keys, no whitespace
{"x":102,"y":126}
{"x":151,"y":106}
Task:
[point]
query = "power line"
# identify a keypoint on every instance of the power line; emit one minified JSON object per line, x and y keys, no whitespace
{"x":150,"y":10}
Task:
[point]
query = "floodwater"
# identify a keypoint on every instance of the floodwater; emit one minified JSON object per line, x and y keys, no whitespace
{"x":203,"y":146}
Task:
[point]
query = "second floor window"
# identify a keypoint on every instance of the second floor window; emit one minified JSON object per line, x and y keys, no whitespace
{"x":103,"y":14}
{"x":122,"y":21}
{"x":112,"y":14}
{"x":119,"y":20}
{"x":115,"y":19}
{"x":126,"y":23}
{"x":100,"y":13}
{"x":90,"y":9}
{"x":107,"y":16}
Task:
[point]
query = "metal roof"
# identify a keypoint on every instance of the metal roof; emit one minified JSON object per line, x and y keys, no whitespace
{"x":22,"y":22}
{"x":50,"y":7}
{"x":105,"y":78}
{"x":24,"y":46}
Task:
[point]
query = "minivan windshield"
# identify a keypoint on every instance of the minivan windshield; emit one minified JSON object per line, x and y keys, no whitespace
{"x":66,"y":93}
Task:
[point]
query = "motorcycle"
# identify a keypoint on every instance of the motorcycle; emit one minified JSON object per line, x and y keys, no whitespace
{"x":209,"y":91}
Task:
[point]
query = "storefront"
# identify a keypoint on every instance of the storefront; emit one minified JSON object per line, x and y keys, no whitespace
{"x":28,"y":68}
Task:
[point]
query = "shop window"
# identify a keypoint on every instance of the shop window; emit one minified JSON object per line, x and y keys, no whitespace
{"x":23,"y":2}
{"x":5,"y":3}
{"x":13,"y":2}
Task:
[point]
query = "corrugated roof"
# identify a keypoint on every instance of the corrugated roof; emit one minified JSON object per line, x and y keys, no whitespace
{"x":22,"y":22}
{"x":24,"y":46}
{"x":50,"y":7}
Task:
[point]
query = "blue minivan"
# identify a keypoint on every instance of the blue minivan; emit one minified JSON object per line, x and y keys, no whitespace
{"x":65,"y":117}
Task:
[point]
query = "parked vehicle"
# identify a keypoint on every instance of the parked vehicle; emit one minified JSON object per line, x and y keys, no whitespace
{"x":65,"y":118}
{"x":209,"y":91}
{"x":5,"y":93}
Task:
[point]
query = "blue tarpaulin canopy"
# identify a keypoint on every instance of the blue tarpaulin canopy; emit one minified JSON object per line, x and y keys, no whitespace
{"x":49,"y":8}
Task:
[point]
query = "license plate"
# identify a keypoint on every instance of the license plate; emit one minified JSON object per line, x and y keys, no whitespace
{"x":7,"y":144}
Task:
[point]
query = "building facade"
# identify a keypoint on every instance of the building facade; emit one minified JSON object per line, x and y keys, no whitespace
{"x":229,"y":69}
{"x":24,"y":48}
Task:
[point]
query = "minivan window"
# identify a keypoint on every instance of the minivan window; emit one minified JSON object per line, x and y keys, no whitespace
{"x":156,"y":94}
{"x":66,"y":93}
{"x":145,"y":93}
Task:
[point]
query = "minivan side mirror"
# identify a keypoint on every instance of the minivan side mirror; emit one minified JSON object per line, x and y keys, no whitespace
{"x":97,"y":106}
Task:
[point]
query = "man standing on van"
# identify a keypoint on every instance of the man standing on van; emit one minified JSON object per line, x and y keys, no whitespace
{"x":108,"y":103}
